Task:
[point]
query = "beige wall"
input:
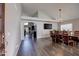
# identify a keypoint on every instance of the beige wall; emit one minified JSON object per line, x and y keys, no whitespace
{"x":75,"y":23}
{"x":12,"y":28}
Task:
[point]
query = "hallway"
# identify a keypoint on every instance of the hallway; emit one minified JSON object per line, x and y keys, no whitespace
{"x":27,"y":47}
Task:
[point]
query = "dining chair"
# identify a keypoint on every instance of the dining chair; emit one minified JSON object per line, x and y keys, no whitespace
{"x":76,"y":33}
{"x":68,"y":41}
{"x":52,"y":35}
{"x":76,"y":38}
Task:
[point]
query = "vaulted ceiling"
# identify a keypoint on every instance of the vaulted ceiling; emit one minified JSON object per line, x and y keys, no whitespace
{"x":69,"y":10}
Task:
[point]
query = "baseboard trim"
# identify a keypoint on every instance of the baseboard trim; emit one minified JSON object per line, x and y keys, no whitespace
{"x":18,"y":48}
{"x":43,"y":37}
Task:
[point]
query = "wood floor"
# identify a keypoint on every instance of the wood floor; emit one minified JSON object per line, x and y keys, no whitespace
{"x":44,"y":47}
{"x":27,"y":47}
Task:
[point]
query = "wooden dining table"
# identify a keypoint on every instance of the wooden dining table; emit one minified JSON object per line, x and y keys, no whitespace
{"x":74,"y":38}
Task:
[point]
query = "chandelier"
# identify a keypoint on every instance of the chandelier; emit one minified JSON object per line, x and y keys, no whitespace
{"x":59,"y":19}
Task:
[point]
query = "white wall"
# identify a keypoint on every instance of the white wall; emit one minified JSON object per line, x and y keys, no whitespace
{"x":41,"y":32}
{"x":12,"y":28}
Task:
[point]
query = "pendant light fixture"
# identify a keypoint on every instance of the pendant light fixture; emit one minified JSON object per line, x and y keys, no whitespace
{"x":59,"y":19}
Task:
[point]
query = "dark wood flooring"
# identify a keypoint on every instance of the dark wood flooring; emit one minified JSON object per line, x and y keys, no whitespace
{"x":44,"y":47}
{"x":27,"y":47}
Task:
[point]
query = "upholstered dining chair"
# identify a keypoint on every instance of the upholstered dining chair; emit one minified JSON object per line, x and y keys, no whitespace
{"x":52,"y":35}
{"x":76,"y":38}
{"x":68,"y":41}
{"x":76,"y":33}
{"x":58,"y":37}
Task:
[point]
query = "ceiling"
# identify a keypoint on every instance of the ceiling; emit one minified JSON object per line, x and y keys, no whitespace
{"x":69,"y":10}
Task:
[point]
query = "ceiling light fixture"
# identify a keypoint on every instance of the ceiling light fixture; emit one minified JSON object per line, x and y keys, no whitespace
{"x":59,"y":19}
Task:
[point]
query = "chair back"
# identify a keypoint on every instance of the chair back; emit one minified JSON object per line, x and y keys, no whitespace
{"x":76,"y":33}
{"x":65,"y":33}
{"x":51,"y":33}
{"x":65,"y":37}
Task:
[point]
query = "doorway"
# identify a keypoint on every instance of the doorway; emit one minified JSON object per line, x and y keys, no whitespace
{"x":28,"y":46}
{"x":2,"y":20}
{"x":30,"y":30}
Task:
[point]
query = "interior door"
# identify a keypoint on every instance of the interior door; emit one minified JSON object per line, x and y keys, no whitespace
{"x":2,"y":44}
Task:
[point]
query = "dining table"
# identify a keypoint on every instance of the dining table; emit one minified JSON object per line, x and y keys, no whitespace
{"x":72,"y":37}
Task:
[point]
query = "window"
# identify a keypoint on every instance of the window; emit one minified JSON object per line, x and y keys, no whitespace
{"x":67,"y":27}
